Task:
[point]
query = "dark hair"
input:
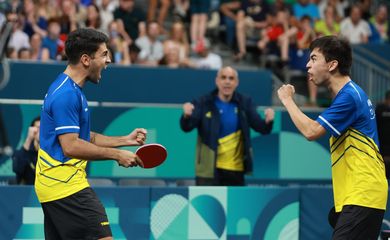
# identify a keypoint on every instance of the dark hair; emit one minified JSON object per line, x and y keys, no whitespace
{"x":35,"y":120}
{"x":83,"y":41}
{"x":335,"y":48}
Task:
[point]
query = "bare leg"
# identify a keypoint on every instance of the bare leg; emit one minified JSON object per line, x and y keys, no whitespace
{"x":194,"y":27}
{"x":163,"y":12}
{"x":152,"y":9}
{"x":284,"y":44}
{"x":202,"y":26}
{"x":241,"y":34}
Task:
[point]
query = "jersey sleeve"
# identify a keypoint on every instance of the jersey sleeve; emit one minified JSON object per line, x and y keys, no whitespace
{"x":65,"y":111}
{"x":339,"y":116}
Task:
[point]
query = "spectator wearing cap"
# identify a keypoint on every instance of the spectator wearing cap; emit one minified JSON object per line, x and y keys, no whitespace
{"x":206,"y":59}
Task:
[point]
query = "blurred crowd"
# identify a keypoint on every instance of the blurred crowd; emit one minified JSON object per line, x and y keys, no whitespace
{"x":182,"y":33}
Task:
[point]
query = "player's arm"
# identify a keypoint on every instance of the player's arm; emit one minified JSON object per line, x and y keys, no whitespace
{"x":190,"y":117}
{"x":135,"y":138}
{"x":309,"y":128}
{"x":75,"y":147}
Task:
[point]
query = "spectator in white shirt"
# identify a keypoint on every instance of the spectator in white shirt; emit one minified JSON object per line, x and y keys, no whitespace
{"x":152,"y":49}
{"x":206,"y":59}
{"x":354,"y":28}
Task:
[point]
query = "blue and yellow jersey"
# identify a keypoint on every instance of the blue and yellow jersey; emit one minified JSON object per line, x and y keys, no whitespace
{"x":65,"y":110}
{"x":230,"y":151}
{"x":358,"y":170}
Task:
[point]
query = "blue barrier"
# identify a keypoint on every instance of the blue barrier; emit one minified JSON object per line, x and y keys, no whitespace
{"x":168,"y":213}
{"x":135,"y":84}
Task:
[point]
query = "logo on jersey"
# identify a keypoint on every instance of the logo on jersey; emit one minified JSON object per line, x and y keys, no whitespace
{"x":372,"y":112}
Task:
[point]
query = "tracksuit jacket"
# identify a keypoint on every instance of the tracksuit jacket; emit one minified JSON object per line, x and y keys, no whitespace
{"x":206,"y":119}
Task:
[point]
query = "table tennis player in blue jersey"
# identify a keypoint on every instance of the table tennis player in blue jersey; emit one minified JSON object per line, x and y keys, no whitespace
{"x":71,"y":208}
{"x":358,"y":171}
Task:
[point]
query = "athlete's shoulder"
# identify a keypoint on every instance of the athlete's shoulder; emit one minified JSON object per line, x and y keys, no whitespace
{"x":63,"y":86}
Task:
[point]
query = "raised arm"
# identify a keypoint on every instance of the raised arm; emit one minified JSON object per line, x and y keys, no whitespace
{"x":309,"y":128}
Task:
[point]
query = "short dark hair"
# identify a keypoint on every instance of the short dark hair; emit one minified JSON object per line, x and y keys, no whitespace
{"x":335,"y":48}
{"x":36,"y":119}
{"x":83,"y":41}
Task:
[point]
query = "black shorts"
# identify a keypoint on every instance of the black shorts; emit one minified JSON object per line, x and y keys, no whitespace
{"x":223,"y":178}
{"x":358,"y":223}
{"x":78,"y":216}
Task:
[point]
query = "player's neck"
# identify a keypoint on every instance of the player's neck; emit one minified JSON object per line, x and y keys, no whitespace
{"x":337,"y":83}
{"x":76,"y":74}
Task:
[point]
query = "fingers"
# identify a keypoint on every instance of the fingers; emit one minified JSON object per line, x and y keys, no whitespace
{"x":188,"y":108}
{"x":141,"y":135}
{"x":129,"y":159}
{"x":139,"y":161}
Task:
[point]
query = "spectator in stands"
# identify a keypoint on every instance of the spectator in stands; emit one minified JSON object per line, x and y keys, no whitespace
{"x":24,"y":54}
{"x":11,"y":53}
{"x":25,"y":159}
{"x":379,"y":24}
{"x":339,"y":7}
{"x":106,"y":14}
{"x":52,"y":41}
{"x":181,"y":8}
{"x":134,"y":53}
{"x":280,"y":5}
{"x":354,"y":28}
{"x":223,"y":119}
{"x":206,"y":59}
{"x":360,"y":187}
{"x":131,"y":17}
{"x":251,"y":19}
{"x":162,"y":12}
{"x":328,"y":25}
{"x":365,"y":8}
{"x":33,"y":22}
{"x":199,"y":14}
{"x":38,"y":53}
{"x":93,"y":19}
{"x":178,"y":36}
{"x":47,"y":9}
{"x":18,"y":38}
{"x":229,"y":10}
{"x":119,"y":43}
{"x":276,"y":36}
{"x":151,"y":47}
{"x":306,"y":8}
{"x":69,"y":18}
{"x":382,"y":114}
{"x":171,"y":58}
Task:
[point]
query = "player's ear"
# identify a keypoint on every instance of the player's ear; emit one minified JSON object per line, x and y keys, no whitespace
{"x":332,"y":65}
{"x":85,"y":59}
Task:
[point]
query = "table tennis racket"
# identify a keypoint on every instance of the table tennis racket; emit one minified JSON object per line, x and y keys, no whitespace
{"x":152,"y":154}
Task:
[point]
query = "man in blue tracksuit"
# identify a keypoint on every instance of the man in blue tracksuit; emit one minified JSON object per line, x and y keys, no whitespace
{"x":223,"y":119}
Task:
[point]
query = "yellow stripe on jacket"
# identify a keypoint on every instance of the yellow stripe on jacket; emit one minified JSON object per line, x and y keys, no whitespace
{"x":231,"y":152}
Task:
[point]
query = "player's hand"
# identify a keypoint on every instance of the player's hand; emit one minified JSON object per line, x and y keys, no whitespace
{"x":188,"y":108}
{"x":136,"y":137}
{"x":286,"y":92}
{"x":129,"y":159}
{"x":269,"y":115}
{"x":32,"y":132}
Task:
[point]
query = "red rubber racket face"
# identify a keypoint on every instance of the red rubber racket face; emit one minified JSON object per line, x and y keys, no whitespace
{"x":152,"y":154}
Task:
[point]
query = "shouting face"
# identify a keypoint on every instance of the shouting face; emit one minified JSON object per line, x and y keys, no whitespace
{"x":97,"y":62}
{"x":227,"y":82}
